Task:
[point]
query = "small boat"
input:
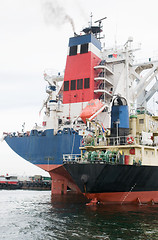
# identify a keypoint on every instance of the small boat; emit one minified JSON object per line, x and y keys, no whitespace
{"x":9,"y":182}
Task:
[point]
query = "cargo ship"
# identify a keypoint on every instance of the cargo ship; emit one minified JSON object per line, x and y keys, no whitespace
{"x":79,"y":107}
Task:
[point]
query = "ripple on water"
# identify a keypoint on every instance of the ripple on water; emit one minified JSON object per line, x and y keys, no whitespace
{"x":32,"y":215}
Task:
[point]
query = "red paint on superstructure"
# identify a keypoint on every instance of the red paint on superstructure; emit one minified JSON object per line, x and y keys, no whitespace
{"x":80,"y":66}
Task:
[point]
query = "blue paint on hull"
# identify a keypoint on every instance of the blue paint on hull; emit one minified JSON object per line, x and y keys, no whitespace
{"x":45,"y":147}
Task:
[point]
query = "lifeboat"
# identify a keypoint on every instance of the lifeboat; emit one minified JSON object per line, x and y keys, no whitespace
{"x":92,"y":109}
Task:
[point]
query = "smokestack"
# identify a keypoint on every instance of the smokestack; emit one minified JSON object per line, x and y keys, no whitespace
{"x":55,"y":14}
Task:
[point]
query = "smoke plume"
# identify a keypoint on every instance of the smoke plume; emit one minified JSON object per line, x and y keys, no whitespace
{"x":56,"y":14}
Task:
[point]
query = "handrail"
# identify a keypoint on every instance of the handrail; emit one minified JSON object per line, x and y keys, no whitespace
{"x":100,"y":157}
{"x":145,"y":60}
{"x":71,"y":158}
{"x":110,"y":141}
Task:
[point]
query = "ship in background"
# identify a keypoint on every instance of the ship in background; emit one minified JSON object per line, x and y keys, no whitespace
{"x":9,"y":182}
{"x":80,"y":102}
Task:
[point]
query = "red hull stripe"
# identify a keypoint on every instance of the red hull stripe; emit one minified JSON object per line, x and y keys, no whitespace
{"x":125,"y":197}
{"x":47,"y":167}
{"x":9,"y":182}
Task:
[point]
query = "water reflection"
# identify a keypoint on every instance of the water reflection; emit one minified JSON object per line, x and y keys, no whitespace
{"x":36,"y":216}
{"x":108,"y":221}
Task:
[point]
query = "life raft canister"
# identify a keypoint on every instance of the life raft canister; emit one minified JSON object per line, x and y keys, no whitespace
{"x":130,"y":140}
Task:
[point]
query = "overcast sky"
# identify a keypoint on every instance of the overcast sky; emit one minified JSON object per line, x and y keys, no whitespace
{"x":34,"y":36}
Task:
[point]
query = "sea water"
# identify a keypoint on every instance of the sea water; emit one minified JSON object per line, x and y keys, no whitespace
{"x":35,"y":215}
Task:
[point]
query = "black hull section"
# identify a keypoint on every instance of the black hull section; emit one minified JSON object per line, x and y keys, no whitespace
{"x":102,"y":178}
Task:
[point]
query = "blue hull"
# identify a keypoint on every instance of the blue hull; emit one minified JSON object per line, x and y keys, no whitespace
{"x":45,"y":147}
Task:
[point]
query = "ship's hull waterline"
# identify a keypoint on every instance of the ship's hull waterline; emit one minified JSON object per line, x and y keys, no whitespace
{"x":116,"y":183}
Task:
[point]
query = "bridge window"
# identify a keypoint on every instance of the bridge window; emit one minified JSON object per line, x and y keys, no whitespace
{"x":84,"y":48}
{"x":79,"y":83}
{"x":66,"y":86}
{"x":141,"y":121}
{"x":73,"y":51}
{"x":86,"y":83}
{"x":73,"y":84}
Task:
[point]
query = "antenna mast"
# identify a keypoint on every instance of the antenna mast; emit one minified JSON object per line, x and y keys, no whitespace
{"x":96,"y":30}
{"x":100,"y":21}
{"x":91,"y":19}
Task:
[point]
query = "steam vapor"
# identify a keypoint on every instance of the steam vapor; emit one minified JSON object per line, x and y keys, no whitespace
{"x":56,"y":14}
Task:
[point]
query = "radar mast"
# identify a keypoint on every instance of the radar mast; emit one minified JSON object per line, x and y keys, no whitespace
{"x":96,"y":30}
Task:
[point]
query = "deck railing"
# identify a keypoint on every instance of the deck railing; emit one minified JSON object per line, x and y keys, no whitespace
{"x":109,"y":141}
{"x":108,"y":157}
{"x":71,"y":158}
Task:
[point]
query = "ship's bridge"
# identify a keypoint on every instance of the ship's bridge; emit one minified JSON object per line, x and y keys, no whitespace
{"x":81,"y":44}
